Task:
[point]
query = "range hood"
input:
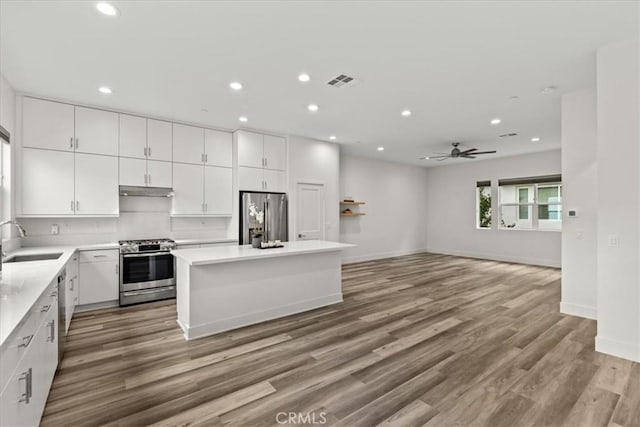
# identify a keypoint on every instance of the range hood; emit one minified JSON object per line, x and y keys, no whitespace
{"x":130,"y":190}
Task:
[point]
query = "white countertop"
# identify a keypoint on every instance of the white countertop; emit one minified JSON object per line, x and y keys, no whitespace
{"x":223,"y":254}
{"x":23,"y":283}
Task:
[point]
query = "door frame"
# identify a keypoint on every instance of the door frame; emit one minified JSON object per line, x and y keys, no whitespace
{"x":294,"y":223}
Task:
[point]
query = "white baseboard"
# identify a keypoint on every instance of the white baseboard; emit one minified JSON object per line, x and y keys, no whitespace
{"x":97,"y":306}
{"x":579,"y":310}
{"x":199,"y":331}
{"x":380,"y":255}
{"x":497,"y":257}
{"x":625,"y":350}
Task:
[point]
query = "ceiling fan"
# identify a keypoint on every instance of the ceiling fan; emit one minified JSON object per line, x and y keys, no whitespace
{"x":457,"y":153}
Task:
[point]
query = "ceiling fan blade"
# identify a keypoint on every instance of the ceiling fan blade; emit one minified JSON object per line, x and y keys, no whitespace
{"x":484,"y":152}
{"x":468,"y":151}
{"x":434,"y":157}
{"x":468,"y":157}
{"x":445,"y":158}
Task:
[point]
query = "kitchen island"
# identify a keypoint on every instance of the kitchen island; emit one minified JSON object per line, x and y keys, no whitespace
{"x":228,"y":287}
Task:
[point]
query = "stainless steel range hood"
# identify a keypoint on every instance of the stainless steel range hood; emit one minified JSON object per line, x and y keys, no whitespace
{"x":130,"y":190}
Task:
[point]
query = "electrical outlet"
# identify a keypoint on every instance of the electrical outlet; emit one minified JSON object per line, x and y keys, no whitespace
{"x":55,"y":229}
{"x":614,"y":240}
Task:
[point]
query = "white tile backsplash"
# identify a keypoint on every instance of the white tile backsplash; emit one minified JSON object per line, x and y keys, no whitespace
{"x":140,"y":218}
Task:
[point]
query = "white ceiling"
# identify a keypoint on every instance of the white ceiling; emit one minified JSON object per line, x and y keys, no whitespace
{"x":454,"y":64}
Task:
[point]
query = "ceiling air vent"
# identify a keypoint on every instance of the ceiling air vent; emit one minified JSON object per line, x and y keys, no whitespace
{"x":341,"y":80}
{"x":508,"y":135}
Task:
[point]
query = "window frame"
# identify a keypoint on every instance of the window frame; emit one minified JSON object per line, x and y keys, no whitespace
{"x":480,"y":187}
{"x":532,"y":206}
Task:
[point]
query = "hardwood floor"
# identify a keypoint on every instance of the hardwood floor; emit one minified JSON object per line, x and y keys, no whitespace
{"x":420,"y":340}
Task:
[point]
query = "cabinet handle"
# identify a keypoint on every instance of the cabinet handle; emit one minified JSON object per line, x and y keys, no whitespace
{"x":117,"y":269}
{"x":265,"y":162}
{"x":77,"y":205}
{"x":77,"y":143}
{"x":149,"y":179}
{"x":45,"y":308}
{"x":52,"y":336}
{"x":26,"y":341}
{"x":53,"y":294}
{"x":72,"y":206}
{"x":99,"y":256}
{"x":206,"y":158}
{"x":26,"y":377}
{"x":149,"y":151}
{"x":71,"y":284}
{"x":206,"y":207}
{"x":145,"y":178}
{"x":145,"y":152}
{"x":71,"y":142}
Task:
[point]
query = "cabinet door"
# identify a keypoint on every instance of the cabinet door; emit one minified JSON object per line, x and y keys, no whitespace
{"x":251,"y":179}
{"x":98,"y":282}
{"x":159,"y":174}
{"x":275,"y":181}
{"x":133,"y":136}
{"x":188,"y":144}
{"x":47,"y":124}
{"x":250,"y":149}
{"x":188,"y":185}
{"x":218,"y":148}
{"x":133,"y":172}
{"x":14,"y":411}
{"x":96,"y":185}
{"x":47,"y":182}
{"x":46,"y":362}
{"x":159,"y":139}
{"x":96,"y":131}
{"x":275,"y":152}
{"x":218,"y":190}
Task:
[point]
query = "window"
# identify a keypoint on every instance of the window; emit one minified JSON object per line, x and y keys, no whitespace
{"x":5,"y":176}
{"x":531,"y":203}
{"x":483,"y":204}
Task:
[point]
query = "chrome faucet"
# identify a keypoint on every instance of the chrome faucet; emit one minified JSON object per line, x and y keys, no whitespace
{"x":22,"y":232}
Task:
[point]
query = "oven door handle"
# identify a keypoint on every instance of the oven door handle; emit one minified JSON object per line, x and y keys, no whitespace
{"x":145,"y":254}
{"x":150,"y":291}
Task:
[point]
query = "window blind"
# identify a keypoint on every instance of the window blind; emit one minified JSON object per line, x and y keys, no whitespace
{"x":531,"y":180}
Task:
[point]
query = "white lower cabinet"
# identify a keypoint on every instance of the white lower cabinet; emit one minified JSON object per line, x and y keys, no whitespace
{"x":98,"y":277}
{"x":71,"y":291}
{"x":23,"y":399}
{"x":257,"y":179}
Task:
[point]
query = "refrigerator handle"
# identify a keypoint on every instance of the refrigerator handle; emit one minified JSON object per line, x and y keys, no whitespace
{"x":266,"y":220}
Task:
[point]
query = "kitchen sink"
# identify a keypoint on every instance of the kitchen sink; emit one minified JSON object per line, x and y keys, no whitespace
{"x":34,"y":257}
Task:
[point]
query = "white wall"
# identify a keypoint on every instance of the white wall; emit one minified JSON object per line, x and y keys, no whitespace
{"x":451,"y":211}
{"x":618,"y":85}
{"x":314,"y":161}
{"x":579,"y":185}
{"x":396,"y":208}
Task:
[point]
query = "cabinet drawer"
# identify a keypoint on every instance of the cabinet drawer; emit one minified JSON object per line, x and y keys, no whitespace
{"x":99,"y":256}
{"x":22,"y":337}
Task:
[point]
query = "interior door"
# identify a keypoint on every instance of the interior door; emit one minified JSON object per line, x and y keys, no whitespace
{"x":188,"y":184}
{"x":47,"y":124}
{"x":310,"y":211}
{"x":47,"y":182}
{"x":96,"y":185}
{"x":133,"y":136}
{"x":96,"y":131}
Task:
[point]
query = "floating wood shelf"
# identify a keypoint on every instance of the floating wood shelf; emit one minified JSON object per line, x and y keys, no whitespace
{"x":352,"y":214}
{"x":351,"y":203}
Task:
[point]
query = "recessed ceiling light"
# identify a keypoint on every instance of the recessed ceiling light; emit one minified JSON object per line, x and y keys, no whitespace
{"x":304,"y":77}
{"x":496,"y":121}
{"x":332,"y":137}
{"x":106,"y":9}
{"x":104,"y":89}
{"x":235,"y":85}
{"x":312,"y":107}
{"x":548,"y":89}
{"x":380,"y":148}
{"x":535,"y":139}
{"x":405,"y":113}
{"x":243,"y":119}
{"x":204,"y":110}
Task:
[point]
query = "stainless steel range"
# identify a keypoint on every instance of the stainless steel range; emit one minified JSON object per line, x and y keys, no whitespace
{"x":147,"y":271}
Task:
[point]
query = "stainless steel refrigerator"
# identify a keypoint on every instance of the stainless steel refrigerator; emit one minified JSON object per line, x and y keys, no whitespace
{"x":275,"y":208}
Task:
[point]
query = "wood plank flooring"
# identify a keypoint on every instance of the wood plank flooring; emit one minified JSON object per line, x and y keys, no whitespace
{"x":420,"y":340}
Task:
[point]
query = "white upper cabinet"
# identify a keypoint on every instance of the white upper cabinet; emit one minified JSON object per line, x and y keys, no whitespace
{"x":47,"y":124}
{"x":251,"y":179}
{"x":218,"y":193}
{"x":96,"y":185}
{"x":159,"y":140}
{"x":275,"y":152}
{"x":133,"y":172}
{"x":218,"y":148}
{"x":133,"y":136}
{"x":188,"y":144}
{"x":188,"y":185}
{"x":47,"y":182}
{"x":159,"y":174}
{"x":96,"y":131}
{"x":275,"y":181}
{"x":250,"y":149}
